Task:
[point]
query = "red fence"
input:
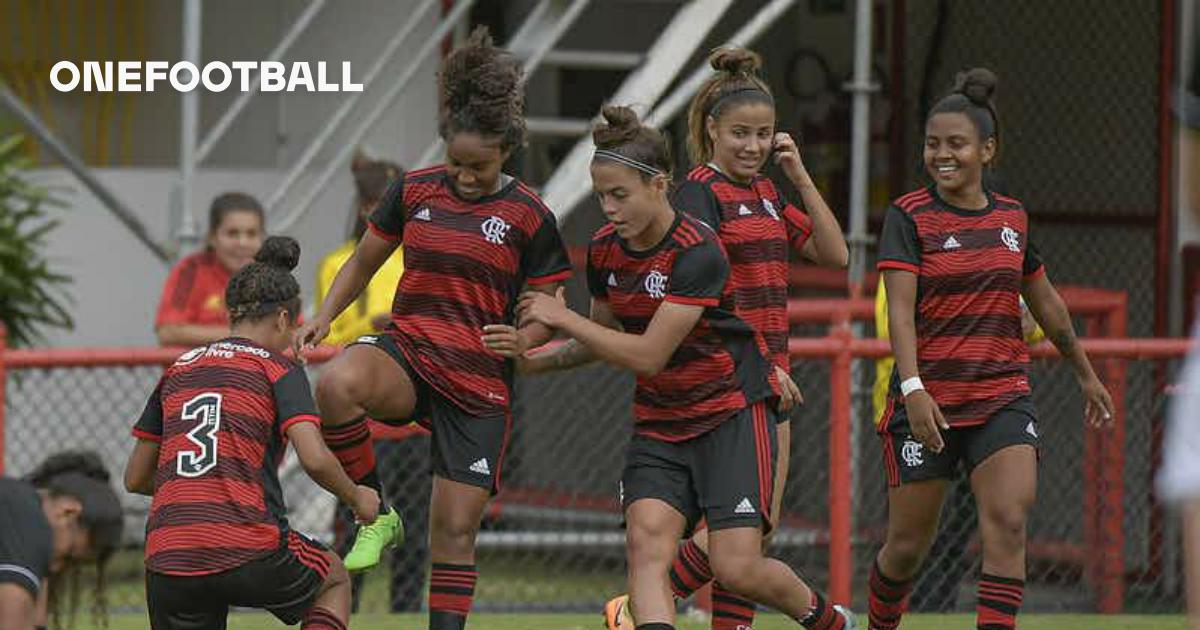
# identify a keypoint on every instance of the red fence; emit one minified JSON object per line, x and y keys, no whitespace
{"x":1103,"y":490}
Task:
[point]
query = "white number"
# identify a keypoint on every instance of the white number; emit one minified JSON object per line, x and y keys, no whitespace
{"x":205,"y":409}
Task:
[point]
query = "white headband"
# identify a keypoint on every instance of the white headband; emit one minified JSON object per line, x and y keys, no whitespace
{"x":628,"y":161}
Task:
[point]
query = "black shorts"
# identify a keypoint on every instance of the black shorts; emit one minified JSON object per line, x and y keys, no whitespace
{"x":25,"y":540}
{"x":284,"y":582}
{"x":905,"y":459}
{"x":724,"y":476}
{"x":465,"y":448}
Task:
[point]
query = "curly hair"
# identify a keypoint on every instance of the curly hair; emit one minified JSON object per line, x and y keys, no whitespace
{"x":736,"y":82}
{"x":266,"y":285}
{"x":480,"y":91}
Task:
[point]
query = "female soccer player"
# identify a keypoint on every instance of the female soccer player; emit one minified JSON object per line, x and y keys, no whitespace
{"x":956,"y":259}
{"x":61,"y":516}
{"x":209,"y":442}
{"x":473,"y":238}
{"x":367,"y":315}
{"x":192,"y":309}
{"x":704,"y":439}
{"x":731,"y":134}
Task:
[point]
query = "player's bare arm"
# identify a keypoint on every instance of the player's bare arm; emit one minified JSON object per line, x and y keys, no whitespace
{"x":139,"y":470}
{"x":1048,"y":308}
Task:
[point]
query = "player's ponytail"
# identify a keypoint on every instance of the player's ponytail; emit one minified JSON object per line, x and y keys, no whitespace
{"x":82,"y":475}
{"x":622,"y":138}
{"x":263,"y":287}
{"x":972,"y":95}
{"x":735,"y":82}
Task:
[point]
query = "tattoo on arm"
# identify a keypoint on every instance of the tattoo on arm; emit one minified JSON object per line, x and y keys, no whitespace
{"x":572,"y":354}
{"x":1064,"y":340}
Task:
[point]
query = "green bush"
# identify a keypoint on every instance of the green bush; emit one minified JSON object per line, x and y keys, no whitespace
{"x":32,"y":296}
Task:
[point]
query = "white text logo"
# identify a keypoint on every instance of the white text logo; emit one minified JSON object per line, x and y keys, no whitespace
{"x":184,"y":76}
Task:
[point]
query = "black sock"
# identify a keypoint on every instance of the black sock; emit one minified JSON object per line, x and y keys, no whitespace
{"x":655,"y":626}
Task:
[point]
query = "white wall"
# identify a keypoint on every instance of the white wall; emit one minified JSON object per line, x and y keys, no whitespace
{"x":143,"y":128}
{"x":117,"y":281}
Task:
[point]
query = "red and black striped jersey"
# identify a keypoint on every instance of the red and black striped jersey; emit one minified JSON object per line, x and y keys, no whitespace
{"x":970,"y":265}
{"x":220,"y":415}
{"x":465,"y":263}
{"x":756,"y":225}
{"x":719,"y":368}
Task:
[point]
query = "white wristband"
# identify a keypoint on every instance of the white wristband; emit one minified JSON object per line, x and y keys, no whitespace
{"x":911,"y":385}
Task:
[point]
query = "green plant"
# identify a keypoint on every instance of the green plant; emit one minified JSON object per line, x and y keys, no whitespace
{"x":32,"y":296}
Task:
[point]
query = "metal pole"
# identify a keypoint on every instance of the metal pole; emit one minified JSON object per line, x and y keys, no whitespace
{"x":343,"y":155}
{"x":536,"y":55}
{"x":343,"y":110}
{"x":860,"y":149}
{"x":81,"y":171}
{"x":3,"y":382}
{"x":748,"y":34}
{"x":218,"y":130}
{"x":188,"y":125}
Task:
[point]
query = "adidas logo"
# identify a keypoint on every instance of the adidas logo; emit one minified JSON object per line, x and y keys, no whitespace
{"x":745,"y":507}
{"x":423,"y":215}
{"x":743,"y":211}
{"x":612,"y":279}
{"x":951,"y":243}
{"x":1030,"y":429}
{"x":481,"y":467}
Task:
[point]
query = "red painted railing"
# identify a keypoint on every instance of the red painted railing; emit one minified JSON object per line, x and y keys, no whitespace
{"x":1104,"y":312}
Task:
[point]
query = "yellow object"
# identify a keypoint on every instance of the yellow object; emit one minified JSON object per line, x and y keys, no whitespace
{"x":883,"y":367}
{"x":357,"y":319}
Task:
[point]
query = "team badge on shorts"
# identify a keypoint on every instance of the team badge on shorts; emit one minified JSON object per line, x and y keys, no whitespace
{"x":912,"y":452}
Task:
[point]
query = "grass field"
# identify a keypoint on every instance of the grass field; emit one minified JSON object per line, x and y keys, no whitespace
{"x":764,"y":622}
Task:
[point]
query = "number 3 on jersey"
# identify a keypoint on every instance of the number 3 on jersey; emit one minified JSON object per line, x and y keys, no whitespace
{"x":205,"y":409}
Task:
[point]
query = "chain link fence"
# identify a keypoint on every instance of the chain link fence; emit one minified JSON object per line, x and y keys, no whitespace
{"x":1079,"y":110}
{"x":551,"y":541}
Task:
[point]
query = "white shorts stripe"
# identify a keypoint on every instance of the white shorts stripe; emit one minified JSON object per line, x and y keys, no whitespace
{"x":24,"y":572}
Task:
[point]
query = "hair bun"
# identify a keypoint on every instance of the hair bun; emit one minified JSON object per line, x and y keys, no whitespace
{"x":977,"y":84}
{"x":621,"y":124}
{"x":279,"y":251}
{"x":86,"y":463}
{"x":734,"y":60}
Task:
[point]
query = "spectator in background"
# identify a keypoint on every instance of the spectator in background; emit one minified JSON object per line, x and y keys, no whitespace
{"x":1179,"y":479}
{"x":373,"y":309}
{"x":192,"y":309}
{"x":405,"y":449}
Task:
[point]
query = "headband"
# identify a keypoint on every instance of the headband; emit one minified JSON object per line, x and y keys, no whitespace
{"x":627,"y":161}
{"x":731,"y":93}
